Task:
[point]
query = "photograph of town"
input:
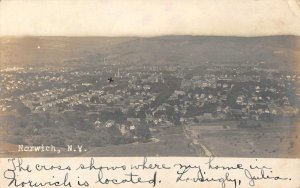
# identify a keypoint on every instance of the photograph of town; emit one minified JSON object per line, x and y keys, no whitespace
{"x":177,"y":95}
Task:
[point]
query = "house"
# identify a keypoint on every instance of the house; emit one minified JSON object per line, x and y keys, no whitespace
{"x":123,"y":129}
{"x":205,"y":117}
{"x":132,"y":127}
{"x":146,"y":87}
{"x":109,"y":123}
{"x":134,"y":121}
{"x":97,"y":123}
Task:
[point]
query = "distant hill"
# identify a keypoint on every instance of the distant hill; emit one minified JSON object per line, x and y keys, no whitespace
{"x":276,"y":50}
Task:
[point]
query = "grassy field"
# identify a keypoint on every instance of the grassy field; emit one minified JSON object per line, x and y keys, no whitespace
{"x":169,"y":141}
{"x":223,"y":139}
{"x":277,"y":139}
{"x":172,"y":142}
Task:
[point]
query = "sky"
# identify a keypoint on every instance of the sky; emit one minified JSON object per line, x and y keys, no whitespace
{"x":149,"y":17}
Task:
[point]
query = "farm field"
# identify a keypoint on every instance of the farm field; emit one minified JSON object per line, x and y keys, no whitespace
{"x":226,"y":139}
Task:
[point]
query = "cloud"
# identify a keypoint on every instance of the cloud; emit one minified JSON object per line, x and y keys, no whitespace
{"x":149,"y":18}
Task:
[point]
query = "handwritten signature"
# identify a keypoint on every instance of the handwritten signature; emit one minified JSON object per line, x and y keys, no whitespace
{"x":236,"y":174}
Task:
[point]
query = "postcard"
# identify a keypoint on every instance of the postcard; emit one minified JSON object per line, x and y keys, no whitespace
{"x":150,"y":93}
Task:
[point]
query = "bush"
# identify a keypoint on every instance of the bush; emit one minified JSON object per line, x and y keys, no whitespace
{"x":48,"y":131}
{"x":81,"y":138}
{"x":97,"y":141}
{"x":15,"y":140}
{"x":49,"y":140}
{"x":143,"y":132}
{"x":23,"y":110}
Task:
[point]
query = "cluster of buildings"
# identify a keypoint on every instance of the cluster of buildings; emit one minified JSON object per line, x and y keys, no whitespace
{"x":156,"y":95}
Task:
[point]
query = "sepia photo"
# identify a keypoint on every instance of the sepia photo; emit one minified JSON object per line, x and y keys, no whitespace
{"x":214,"y":88}
{"x":160,"y":93}
{"x":157,"y":96}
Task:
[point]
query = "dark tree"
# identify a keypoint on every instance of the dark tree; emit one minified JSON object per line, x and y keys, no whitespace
{"x":143,"y":132}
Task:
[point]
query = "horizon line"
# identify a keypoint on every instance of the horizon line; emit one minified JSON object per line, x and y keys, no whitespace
{"x":146,"y":36}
